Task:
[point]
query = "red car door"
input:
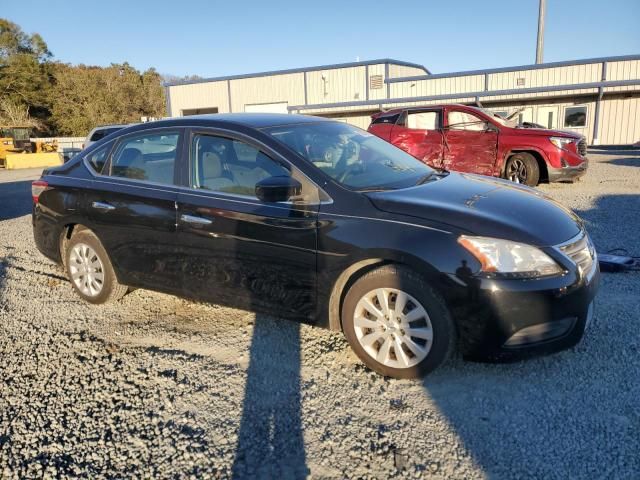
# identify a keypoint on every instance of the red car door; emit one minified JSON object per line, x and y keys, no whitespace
{"x":470,"y":143}
{"x":419,"y":133}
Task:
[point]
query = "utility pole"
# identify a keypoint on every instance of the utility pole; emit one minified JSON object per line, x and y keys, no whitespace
{"x":540,"y":44}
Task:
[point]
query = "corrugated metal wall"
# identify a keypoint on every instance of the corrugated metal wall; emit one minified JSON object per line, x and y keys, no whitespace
{"x":267,"y":89}
{"x":199,"y":95}
{"x":618,"y":123}
{"x":337,"y":85}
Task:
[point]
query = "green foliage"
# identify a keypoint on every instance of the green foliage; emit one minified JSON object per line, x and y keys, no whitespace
{"x":67,"y":99}
{"x":23,"y":66}
{"x":84,"y":96}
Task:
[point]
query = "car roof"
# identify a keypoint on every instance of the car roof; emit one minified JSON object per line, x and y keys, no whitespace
{"x":396,"y":110}
{"x":122,"y":125}
{"x":252,"y":120}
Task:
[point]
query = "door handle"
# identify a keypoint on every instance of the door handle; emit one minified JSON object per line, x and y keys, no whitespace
{"x":103,"y":206}
{"x":195,"y":220}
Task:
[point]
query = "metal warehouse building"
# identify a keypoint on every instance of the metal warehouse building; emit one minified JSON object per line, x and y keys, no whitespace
{"x":598,"y":97}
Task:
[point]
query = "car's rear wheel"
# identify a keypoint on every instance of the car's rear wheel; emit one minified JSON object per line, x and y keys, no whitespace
{"x":90,"y":271}
{"x":522,"y":168}
{"x":396,"y":323}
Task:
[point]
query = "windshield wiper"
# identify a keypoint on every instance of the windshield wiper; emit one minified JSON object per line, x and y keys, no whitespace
{"x":435,"y":175}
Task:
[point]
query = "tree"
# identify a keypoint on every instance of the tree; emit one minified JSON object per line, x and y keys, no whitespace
{"x":12,"y":113}
{"x":63,"y":99}
{"x":85,"y":96}
{"x":23,"y":66}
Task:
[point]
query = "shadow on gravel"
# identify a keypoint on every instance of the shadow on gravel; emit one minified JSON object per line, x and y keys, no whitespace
{"x":629,"y":152}
{"x":270,"y":441}
{"x":614,"y":222}
{"x":625,"y":162}
{"x":15,"y":199}
{"x":567,"y":415}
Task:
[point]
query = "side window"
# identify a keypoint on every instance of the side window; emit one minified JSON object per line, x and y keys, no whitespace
{"x":465,"y":121}
{"x":386,"y":119}
{"x":423,"y":121}
{"x":98,"y":158}
{"x":225,"y":165}
{"x":148,"y":156}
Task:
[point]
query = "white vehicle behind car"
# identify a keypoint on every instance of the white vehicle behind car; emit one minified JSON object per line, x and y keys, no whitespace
{"x":99,"y":133}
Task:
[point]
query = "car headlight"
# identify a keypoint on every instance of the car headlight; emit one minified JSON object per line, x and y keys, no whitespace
{"x":504,"y":258}
{"x":561,"y":142}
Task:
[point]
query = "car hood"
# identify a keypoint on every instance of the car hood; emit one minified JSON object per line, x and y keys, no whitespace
{"x":484,"y":206}
{"x":544,"y":132}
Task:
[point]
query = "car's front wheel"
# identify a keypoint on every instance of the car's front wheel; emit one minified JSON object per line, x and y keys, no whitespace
{"x":522,"y":168}
{"x":396,"y":323}
{"x":89,"y":269}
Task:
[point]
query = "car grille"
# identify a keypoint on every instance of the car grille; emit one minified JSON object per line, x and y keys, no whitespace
{"x":582,"y":147}
{"x":581,"y":251}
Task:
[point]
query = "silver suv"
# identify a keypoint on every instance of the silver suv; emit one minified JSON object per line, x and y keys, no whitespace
{"x":99,"y":133}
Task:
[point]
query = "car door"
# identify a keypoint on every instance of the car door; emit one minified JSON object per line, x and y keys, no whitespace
{"x":470,"y":143}
{"x":419,"y":133}
{"x":132,"y":207}
{"x":237,"y":250}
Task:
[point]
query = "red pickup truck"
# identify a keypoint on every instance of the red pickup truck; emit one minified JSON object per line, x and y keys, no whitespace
{"x":474,"y":140}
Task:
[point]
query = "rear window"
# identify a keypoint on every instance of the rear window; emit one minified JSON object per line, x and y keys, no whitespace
{"x":100,"y":134}
{"x":386,"y":119}
{"x":148,"y":156}
{"x":98,"y":158}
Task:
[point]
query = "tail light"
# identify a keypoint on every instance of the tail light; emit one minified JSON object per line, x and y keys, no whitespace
{"x":37,"y":188}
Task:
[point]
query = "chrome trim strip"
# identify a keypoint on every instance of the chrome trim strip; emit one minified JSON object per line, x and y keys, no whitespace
{"x":195,"y":220}
{"x":202,"y":128}
{"x":572,"y":240}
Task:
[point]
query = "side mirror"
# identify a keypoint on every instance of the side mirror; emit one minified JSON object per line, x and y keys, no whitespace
{"x":280,"y":188}
{"x":490,"y":127}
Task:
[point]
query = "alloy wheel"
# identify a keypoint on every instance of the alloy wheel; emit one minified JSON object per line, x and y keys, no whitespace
{"x":87,"y":271}
{"x":393,"y":328}
{"x":517,"y":171}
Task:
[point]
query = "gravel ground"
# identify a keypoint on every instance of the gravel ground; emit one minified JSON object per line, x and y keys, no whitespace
{"x":157,"y":386}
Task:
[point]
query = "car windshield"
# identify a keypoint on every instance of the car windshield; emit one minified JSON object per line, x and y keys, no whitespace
{"x":500,"y":119}
{"x":353,"y":157}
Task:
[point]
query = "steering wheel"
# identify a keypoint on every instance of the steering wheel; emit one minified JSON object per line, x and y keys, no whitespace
{"x":349,"y":150}
{"x":350,"y":170}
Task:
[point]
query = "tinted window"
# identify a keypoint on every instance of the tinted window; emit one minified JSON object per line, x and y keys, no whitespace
{"x":100,"y":134}
{"x":352,"y":156}
{"x":149,"y":156}
{"x":386,"y":119}
{"x":225,"y":165}
{"x":465,"y":121}
{"x":575,"y":117}
{"x":98,"y":158}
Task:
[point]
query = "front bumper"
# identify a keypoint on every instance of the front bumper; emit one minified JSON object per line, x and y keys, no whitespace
{"x":501,"y":320}
{"x":569,"y":173}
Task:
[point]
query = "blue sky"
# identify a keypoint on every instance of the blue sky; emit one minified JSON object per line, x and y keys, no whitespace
{"x":211,"y":38}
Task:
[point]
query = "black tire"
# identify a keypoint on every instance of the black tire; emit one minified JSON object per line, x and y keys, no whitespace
{"x":400,"y":278}
{"x":110,"y":290}
{"x":522,"y":168}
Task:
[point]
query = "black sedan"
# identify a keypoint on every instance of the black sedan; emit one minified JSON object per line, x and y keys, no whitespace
{"x":321,"y":222}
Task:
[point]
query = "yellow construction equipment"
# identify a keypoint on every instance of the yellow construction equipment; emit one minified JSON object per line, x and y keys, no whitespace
{"x":18,"y":151}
